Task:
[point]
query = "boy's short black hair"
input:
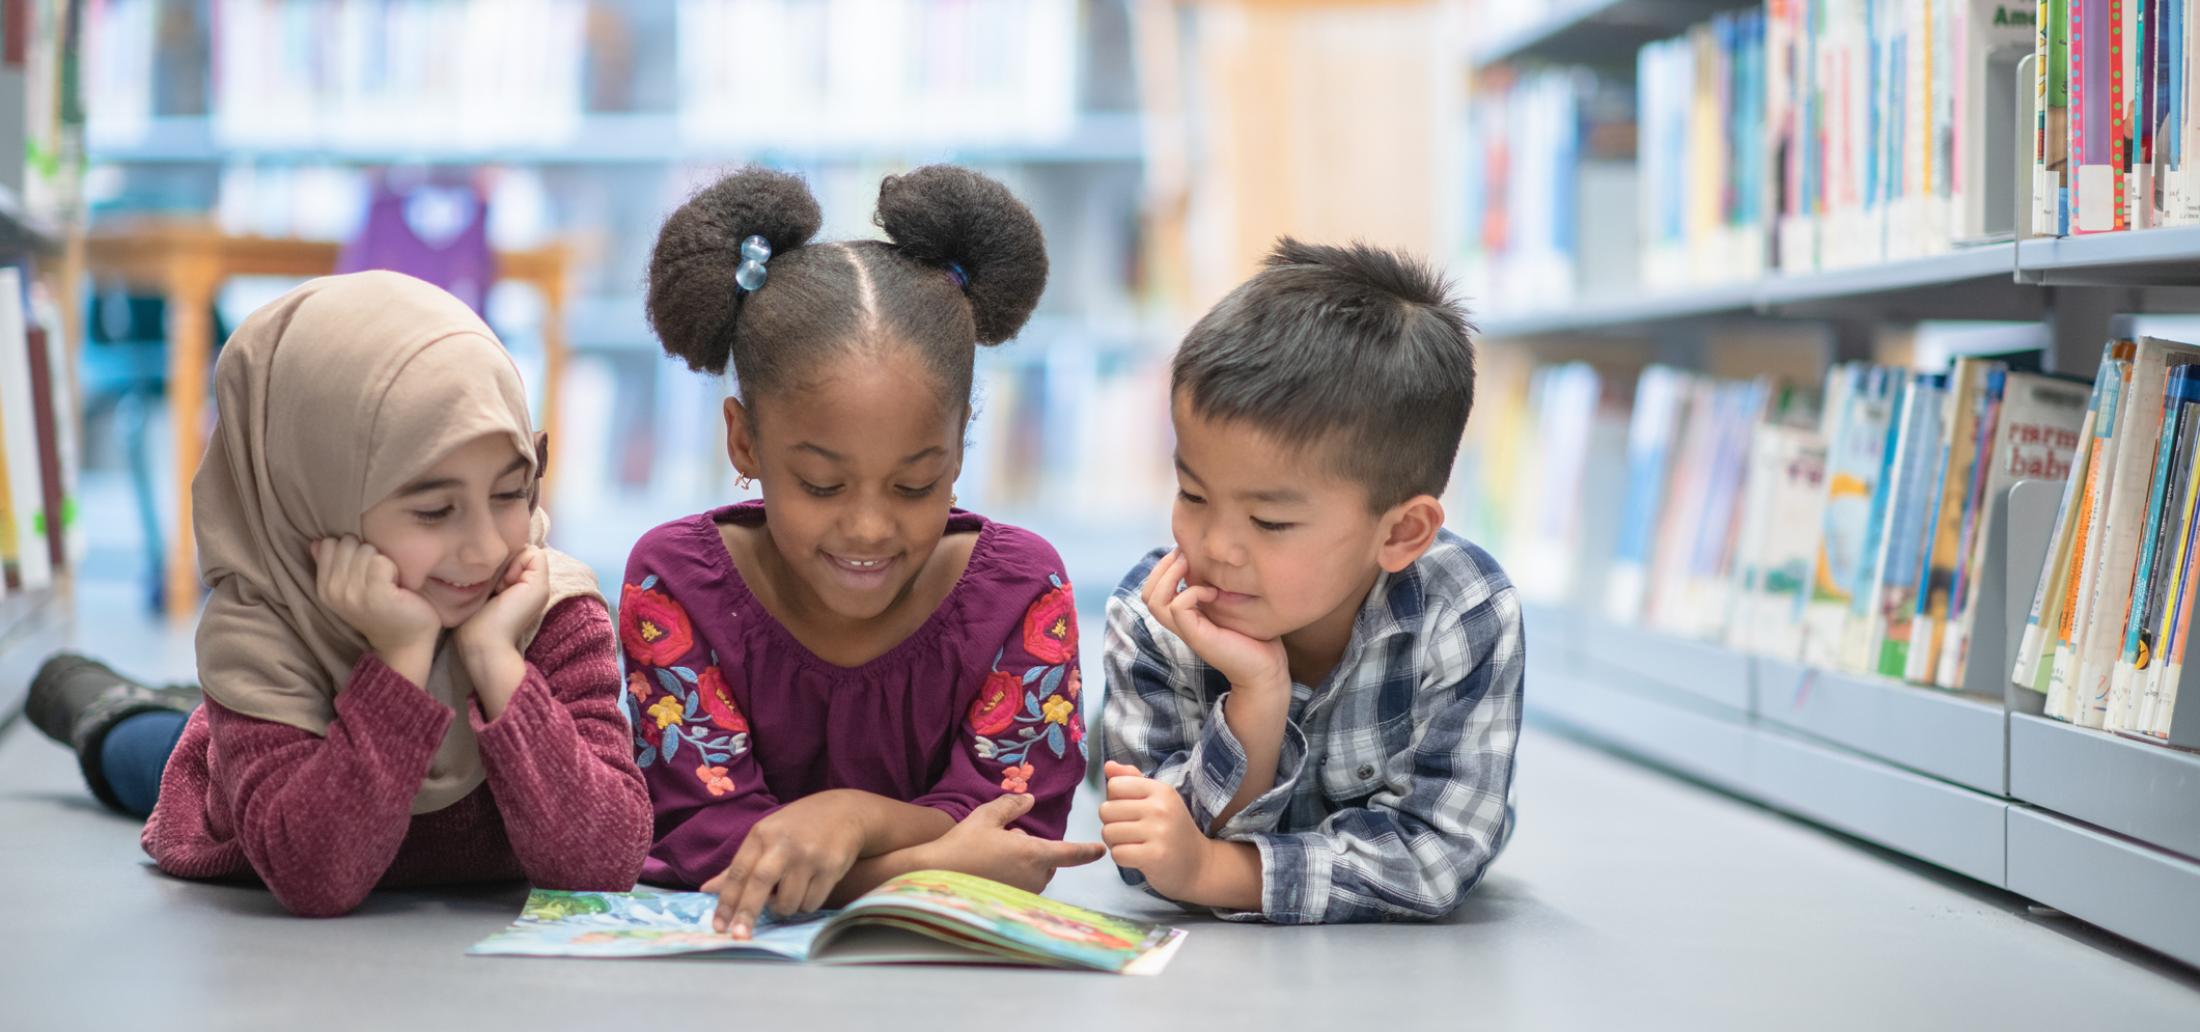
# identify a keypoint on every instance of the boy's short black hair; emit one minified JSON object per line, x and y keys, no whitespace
{"x":1358,"y":349}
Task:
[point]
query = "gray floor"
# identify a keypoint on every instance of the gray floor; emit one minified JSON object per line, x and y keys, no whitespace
{"x":1627,"y":899}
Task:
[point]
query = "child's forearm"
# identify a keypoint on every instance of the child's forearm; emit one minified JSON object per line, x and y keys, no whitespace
{"x":1229,"y":877}
{"x":1256,"y":717}
{"x":890,"y":825}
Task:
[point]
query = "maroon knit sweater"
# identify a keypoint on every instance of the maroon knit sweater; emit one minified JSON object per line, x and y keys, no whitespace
{"x":323,"y":820}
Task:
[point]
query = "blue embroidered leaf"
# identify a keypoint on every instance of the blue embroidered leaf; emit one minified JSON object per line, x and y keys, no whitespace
{"x":1053,"y":680}
{"x":694,"y":706}
{"x":686,"y":674}
{"x":1028,"y":733}
{"x":648,"y":582}
{"x":1054,"y":579}
{"x":1054,"y":739}
{"x":671,"y":746}
{"x":716,"y":757}
{"x":1010,"y":759}
{"x":1081,"y":753}
{"x":1031,"y":703}
{"x":997,"y":657}
{"x":648,"y":756}
{"x":671,"y":684}
{"x":1033,"y":674}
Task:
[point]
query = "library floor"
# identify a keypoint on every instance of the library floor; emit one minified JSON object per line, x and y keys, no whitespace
{"x":1628,"y":899}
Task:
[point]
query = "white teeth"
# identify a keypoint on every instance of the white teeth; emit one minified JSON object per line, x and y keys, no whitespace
{"x":863,"y":564}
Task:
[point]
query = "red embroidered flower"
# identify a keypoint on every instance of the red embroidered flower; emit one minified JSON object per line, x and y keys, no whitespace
{"x":718,"y":701}
{"x":637,"y":685}
{"x":652,"y":735}
{"x":1016,"y":778}
{"x":653,"y":628}
{"x":1076,"y":684}
{"x":1050,"y":626}
{"x":1076,"y":731}
{"x":994,"y":711}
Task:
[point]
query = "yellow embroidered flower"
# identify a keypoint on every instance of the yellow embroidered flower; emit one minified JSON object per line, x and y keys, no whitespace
{"x":667,"y":711}
{"x":1057,"y":709}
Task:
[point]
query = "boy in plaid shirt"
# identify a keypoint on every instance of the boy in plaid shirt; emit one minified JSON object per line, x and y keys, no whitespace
{"x":1313,"y":699}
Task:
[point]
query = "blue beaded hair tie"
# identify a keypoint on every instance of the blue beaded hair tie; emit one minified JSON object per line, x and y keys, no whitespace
{"x":955,"y":272}
{"x":750,"y":275}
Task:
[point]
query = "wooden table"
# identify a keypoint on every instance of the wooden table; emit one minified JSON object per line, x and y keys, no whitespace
{"x":188,"y":262}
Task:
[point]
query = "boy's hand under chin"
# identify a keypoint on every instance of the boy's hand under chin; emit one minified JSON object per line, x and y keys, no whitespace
{"x":1251,"y":664}
{"x":1148,"y":829}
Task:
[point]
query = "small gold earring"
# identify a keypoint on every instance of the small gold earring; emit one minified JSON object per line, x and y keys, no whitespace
{"x":952,"y":501}
{"x":743,"y":482}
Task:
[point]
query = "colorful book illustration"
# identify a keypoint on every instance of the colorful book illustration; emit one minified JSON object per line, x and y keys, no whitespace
{"x":927,"y":917}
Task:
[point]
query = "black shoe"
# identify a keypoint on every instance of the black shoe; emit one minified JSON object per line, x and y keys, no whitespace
{"x":76,"y":700}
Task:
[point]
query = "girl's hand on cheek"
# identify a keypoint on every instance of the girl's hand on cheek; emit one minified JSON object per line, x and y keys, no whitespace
{"x":360,"y":586}
{"x":516,"y":603}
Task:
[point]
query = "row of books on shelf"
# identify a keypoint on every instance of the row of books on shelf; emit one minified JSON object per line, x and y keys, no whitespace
{"x":2114,"y":119}
{"x":474,"y":74}
{"x":1847,"y":528}
{"x":40,"y":535}
{"x":1808,"y":135}
{"x":2105,"y":639}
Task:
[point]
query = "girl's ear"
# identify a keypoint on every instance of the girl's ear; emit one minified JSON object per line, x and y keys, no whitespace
{"x":542,"y":462}
{"x":740,"y":440}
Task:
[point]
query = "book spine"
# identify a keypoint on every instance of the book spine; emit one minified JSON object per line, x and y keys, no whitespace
{"x":2084,"y":555}
{"x":2034,"y":649}
{"x":2118,"y":708}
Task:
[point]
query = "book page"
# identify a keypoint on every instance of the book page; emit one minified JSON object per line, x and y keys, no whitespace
{"x":1045,"y":930}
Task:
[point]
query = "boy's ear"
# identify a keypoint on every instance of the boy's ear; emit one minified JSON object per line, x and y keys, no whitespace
{"x":740,"y":442}
{"x":1408,"y":530}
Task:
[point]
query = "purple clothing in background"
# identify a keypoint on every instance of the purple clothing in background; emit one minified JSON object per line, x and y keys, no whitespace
{"x":458,"y":258}
{"x":733,"y":717}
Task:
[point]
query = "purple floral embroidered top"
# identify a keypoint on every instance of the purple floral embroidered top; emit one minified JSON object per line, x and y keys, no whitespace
{"x":733,"y":717}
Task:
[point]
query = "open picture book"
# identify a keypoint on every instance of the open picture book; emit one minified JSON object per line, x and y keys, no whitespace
{"x":926,"y":917}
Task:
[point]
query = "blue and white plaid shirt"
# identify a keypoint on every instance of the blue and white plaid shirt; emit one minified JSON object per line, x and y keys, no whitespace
{"x":1391,"y":792}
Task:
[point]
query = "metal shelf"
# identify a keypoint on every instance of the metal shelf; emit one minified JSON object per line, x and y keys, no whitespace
{"x":1597,"y":32}
{"x":2149,"y":792}
{"x":1696,"y":670}
{"x":2149,"y":897}
{"x":1940,"y":823}
{"x":1950,"y":736}
{"x":1969,"y":283}
{"x":2142,"y":257}
{"x":624,"y":139}
{"x":1639,"y":720}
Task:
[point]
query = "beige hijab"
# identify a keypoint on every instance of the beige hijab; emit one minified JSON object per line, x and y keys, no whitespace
{"x":328,"y":400}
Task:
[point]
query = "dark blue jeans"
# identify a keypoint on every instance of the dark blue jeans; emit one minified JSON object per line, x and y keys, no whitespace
{"x":134,"y":754}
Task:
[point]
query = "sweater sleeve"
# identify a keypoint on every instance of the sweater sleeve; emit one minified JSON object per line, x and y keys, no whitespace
{"x":557,"y":759}
{"x":321,"y":817}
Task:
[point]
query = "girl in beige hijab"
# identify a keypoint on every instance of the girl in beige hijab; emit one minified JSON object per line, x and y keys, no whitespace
{"x":403,"y":683}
